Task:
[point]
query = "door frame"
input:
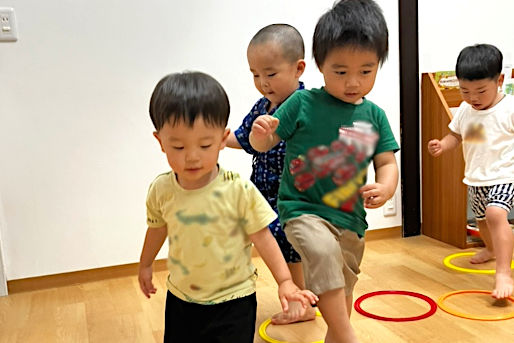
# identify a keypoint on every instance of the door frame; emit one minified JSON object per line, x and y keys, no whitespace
{"x":3,"y":275}
{"x":409,"y":117}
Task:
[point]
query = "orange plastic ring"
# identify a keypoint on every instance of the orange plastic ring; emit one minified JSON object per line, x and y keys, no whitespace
{"x":442,"y":306}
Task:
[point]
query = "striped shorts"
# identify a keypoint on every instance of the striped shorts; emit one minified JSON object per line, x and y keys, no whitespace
{"x":498,"y":195}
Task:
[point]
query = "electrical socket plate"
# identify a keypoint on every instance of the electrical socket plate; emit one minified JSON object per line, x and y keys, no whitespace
{"x":390,"y":207}
{"x":8,"y":32}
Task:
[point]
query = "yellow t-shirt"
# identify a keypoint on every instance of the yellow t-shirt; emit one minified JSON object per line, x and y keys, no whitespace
{"x":209,"y":249}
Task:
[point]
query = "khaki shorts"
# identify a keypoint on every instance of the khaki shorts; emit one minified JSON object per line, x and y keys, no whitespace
{"x":330,"y":255}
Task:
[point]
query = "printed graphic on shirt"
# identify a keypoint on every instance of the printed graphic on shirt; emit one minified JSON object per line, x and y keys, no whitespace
{"x":345,"y":161}
{"x":202,"y":219}
{"x":475,"y":133}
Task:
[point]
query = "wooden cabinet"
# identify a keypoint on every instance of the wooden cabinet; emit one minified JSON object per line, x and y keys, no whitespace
{"x":444,"y":196}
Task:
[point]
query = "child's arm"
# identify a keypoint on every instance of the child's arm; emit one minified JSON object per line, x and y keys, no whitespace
{"x":386,"y":180}
{"x":263,"y":136}
{"x":232,"y":141}
{"x":271,"y":255}
{"x":154,"y":239}
{"x":450,"y":141}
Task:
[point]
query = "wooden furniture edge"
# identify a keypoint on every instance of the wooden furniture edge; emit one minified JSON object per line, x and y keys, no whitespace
{"x":443,"y":213}
{"x":440,"y":94}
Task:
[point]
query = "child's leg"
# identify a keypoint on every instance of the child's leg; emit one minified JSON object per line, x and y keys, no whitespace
{"x":349,"y":304}
{"x":501,"y":235}
{"x":487,"y":253}
{"x":297,"y":274}
{"x":334,"y":306}
{"x":296,"y":311}
{"x":331,"y":258}
{"x":282,"y":318}
{"x":479,"y":198}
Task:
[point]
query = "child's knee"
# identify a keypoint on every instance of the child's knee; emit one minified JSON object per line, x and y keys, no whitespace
{"x":495,"y":215}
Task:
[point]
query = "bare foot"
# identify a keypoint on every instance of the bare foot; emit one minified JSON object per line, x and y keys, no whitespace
{"x":295,"y":314}
{"x":348,"y":336}
{"x":482,"y":256}
{"x":503,"y":287}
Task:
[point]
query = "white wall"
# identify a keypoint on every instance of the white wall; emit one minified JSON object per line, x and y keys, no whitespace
{"x":76,"y":146}
{"x":447,"y":26}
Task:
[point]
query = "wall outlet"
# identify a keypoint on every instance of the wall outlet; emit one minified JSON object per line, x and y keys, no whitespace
{"x":390,"y":207}
{"x":8,"y":31}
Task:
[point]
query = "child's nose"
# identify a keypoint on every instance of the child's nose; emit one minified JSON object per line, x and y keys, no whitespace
{"x":352,"y":82}
{"x":191,"y":156}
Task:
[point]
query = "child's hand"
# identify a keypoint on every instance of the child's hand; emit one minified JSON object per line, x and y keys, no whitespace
{"x":264,"y":126}
{"x":145,"y":281}
{"x":288,"y":291}
{"x":435,"y":148}
{"x":374,"y":195}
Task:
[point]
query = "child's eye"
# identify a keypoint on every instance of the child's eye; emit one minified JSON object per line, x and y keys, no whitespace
{"x":482,"y":92}
{"x":206,"y":146}
{"x":272,"y":74}
{"x":178,"y":147}
{"x":366,"y":72}
{"x":340,"y":72}
{"x":255,"y":76}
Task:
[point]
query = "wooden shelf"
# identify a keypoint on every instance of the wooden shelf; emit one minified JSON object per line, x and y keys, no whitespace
{"x":444,"y":196}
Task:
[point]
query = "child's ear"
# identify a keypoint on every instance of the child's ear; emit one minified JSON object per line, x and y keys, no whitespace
{"x":501,"y":78}
{"x":156,"y":135}
{"x":300,"y":68}
{"x":224,"y":139}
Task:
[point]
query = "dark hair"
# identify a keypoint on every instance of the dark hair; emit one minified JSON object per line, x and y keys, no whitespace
{"x":286,"y":36}
{"x":187,"y":96}
{"x":352,"y":23}
{"x":480,"y":61}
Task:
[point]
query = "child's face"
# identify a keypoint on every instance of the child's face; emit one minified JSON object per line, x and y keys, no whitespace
{"x":480,"y":94}
{"x":349,"y":73}
{"x":192,"y":152}
{"x":275,"y":77}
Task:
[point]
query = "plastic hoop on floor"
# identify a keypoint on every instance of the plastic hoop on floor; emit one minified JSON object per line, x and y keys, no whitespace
{"x":264,"y":335}
{"x":447,"y":262}
{"x":456,"y":313}
{"x":433,"y":306}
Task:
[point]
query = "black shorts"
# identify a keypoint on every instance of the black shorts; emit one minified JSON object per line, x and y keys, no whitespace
{"x":229,"y":322}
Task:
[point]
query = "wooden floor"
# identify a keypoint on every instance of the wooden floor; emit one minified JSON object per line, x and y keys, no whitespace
{"x":115,"y":311}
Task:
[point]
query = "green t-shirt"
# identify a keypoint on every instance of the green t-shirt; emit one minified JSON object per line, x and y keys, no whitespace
{"x":330,"y":144}
{"x":209,"y":257}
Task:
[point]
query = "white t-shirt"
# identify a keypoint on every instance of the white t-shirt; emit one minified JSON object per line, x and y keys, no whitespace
{"x":487,"y":142}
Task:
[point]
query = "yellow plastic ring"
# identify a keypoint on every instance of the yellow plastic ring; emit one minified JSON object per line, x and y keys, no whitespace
{"x":264,"y":335}
{"x":442,"y":306}
{"x":447,"y":263}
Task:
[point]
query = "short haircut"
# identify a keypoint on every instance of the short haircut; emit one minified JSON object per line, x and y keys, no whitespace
{"x":480,"y":61}
{"x":286,"y":36}
{"x":351,"y":23}
{"x":187,"y":96}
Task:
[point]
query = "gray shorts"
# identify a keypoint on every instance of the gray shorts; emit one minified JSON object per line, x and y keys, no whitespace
{"x":330,"y":255}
